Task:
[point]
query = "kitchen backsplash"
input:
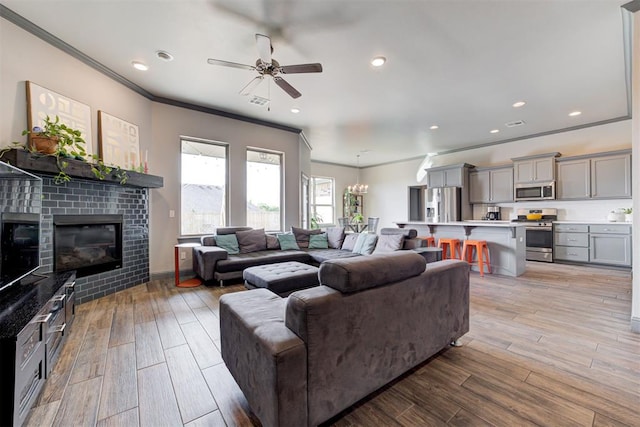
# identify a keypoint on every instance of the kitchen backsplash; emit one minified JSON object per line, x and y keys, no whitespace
{"x":587,"y":210}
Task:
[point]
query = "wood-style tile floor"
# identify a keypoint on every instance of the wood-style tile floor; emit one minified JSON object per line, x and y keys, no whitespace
{"x":550,"y":348}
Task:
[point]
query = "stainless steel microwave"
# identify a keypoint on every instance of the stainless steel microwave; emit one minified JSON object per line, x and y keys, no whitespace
{"x":535,"y":191}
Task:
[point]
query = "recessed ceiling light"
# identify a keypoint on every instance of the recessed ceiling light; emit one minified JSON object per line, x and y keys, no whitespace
{"x":434,"y":127}
{"x":575,"y":113}
{"x":164,"y":55}
{"x":295,"y":110}
{"x":378,"y":61}
{"x":139,"y":65}
{"x":494,"y":130}
{"x":518,"y":104}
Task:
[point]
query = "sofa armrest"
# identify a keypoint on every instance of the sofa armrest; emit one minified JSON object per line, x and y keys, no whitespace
{"x":267,"y":360}
{"x":413,"y":243}
{"x":205,"y":259}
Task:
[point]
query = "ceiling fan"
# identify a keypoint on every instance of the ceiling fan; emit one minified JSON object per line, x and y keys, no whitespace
{"x":267,"y":66}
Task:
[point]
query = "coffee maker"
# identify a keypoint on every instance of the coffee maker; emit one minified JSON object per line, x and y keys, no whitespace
{"x":493,"y":213}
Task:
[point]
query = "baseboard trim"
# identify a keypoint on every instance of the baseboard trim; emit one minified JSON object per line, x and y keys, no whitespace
{"x":635,"y":325}
{"x":184,"y":275}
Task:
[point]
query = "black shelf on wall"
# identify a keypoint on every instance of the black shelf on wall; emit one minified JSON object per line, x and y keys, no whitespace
{"x":76,"y":169}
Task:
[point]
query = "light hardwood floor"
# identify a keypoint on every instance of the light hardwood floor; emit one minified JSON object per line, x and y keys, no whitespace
{"x":552,"y":348}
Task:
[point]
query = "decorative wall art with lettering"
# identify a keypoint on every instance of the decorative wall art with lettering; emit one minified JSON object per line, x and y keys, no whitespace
{"x":119,"y":142}
{"x":43,"y":102}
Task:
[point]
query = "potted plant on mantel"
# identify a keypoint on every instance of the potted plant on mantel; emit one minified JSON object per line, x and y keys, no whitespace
{"x":63,"y":142}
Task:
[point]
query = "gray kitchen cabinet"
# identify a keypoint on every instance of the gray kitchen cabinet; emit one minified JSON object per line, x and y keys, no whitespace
{"x":607,"y":244}
{"x":447,"y":176}
{"x":491,"y":185}
{"x":600,"y":176}
{"x":611,"y":176}
{"x":574,"y":179}
{"x":540,"y":168}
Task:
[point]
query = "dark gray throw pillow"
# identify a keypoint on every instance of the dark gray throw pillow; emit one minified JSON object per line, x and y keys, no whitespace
{"x":335,"y":236}
{"x":252,"y":240}
{"x":302,"y":235}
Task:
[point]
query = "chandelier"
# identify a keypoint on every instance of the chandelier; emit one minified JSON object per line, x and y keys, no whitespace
{"x":358,"y":188}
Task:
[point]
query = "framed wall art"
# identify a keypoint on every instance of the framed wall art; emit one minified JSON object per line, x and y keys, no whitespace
{"x":119,"y":142}
{"x":43,"y":102}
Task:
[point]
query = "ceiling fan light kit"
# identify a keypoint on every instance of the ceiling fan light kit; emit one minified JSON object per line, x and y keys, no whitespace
{"x":266,"y":65}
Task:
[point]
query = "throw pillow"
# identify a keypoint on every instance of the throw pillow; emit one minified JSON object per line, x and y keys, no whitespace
{"x":287,"y":242}
{"x":349,"y":241}
{"x":389,"y":243}
{"x":335,"y":236}
{"x":302,"y":235}
{"x":272,"y":242}
{"x":357,"y":248}
{"x":368,"y":243}
{"x":318,"y":241}
{"x":229,"y":243}
{"x":252,"y":240}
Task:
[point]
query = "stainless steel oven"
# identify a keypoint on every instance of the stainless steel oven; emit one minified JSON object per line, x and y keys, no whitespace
{"x":539,"y":233}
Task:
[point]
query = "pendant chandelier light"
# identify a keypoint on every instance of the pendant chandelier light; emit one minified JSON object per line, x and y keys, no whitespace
{"x":358,"y":188}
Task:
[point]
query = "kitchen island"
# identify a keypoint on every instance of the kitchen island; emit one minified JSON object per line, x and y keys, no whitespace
{"x":506,"y":240}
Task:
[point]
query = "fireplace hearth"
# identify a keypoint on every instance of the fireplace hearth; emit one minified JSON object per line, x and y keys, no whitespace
{"x":89,"y":244}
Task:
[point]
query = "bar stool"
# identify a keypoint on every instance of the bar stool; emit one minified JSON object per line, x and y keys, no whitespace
{"x":454,"y":248}
{"x":429,"y":240}
{"x":481,"y":249}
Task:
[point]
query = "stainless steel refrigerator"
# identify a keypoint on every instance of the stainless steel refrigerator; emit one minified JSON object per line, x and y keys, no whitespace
{"x":443,"y":204}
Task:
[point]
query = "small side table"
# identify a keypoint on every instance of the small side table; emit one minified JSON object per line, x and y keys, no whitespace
{"x":190,"y":283}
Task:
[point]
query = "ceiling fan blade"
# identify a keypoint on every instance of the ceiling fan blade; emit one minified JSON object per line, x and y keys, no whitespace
{"x":301,"y":68}
{"x":264,"y":48}
{"x":287,"y":87}
{"x":230,"y":64}
{"x":251,"y":86}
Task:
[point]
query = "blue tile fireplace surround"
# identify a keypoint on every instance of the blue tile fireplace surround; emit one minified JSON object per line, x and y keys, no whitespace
{"x":125,"y":206}
{"x":81,"y":197}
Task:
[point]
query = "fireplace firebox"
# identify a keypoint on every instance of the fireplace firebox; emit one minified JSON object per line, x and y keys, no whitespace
{"x":89,"y":244}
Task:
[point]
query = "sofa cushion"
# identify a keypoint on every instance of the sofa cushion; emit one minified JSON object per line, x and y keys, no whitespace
{"x":272,"y":242}
{"x":335,"y":236}
{"x":358,"y":273}
{"x":409,"y":233}
{"x":237,"y":263}
{"x":230,"y":230}
{"x":321,"y":255}
{"x":365,"y":244}
{"x":389,"y":243}
{"x":252,"y":240}
{"x":302,"y":235}
{"x":287,"y":242}
{"x":349,"y":241}
{"x":228,"y":242}
{"x":318,"y":241}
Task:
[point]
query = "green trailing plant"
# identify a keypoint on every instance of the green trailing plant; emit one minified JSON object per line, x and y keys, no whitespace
{"x":358,"y":219}
{"x":122,"y":175}
{"x":99,"y":169}
{"x":316,"y":220}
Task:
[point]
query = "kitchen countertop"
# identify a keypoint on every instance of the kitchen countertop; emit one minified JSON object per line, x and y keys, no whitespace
{"x":467,"y":223}
{"x":600,"y":221}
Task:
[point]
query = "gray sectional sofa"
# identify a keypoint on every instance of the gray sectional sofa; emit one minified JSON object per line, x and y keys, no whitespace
{"x":213,"y":263}
{"x":302,"y":360}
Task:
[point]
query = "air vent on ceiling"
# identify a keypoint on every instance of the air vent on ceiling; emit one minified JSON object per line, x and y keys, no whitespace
{"x":514,"y":123}
{"x":258,"y":100}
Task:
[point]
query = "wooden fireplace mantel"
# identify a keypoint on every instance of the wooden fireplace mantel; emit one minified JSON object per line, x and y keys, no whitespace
{"x":43,"y":164}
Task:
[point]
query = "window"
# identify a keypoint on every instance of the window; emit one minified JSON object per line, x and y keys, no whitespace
{"x":203,"y":202}
{"x":322,"y":201}
{"x":264,"y":190}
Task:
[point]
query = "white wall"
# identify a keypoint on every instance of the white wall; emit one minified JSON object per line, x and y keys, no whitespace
{"x":635,"y":304}
{"x":26,"y":57}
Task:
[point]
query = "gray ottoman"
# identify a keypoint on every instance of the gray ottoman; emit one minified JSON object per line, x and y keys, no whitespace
{"x":281,"y":278}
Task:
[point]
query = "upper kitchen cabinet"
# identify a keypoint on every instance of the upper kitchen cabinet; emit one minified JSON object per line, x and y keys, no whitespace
{"x":595,"y":176}
{"x":539,"y":168}
{"x":448,"y":176}
{"x":492,"y":185}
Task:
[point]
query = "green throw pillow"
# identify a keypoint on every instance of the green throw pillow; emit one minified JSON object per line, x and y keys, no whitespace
{"x":229,"y":243}
{"x":287,"y":242}
{"x":318,"y":241}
